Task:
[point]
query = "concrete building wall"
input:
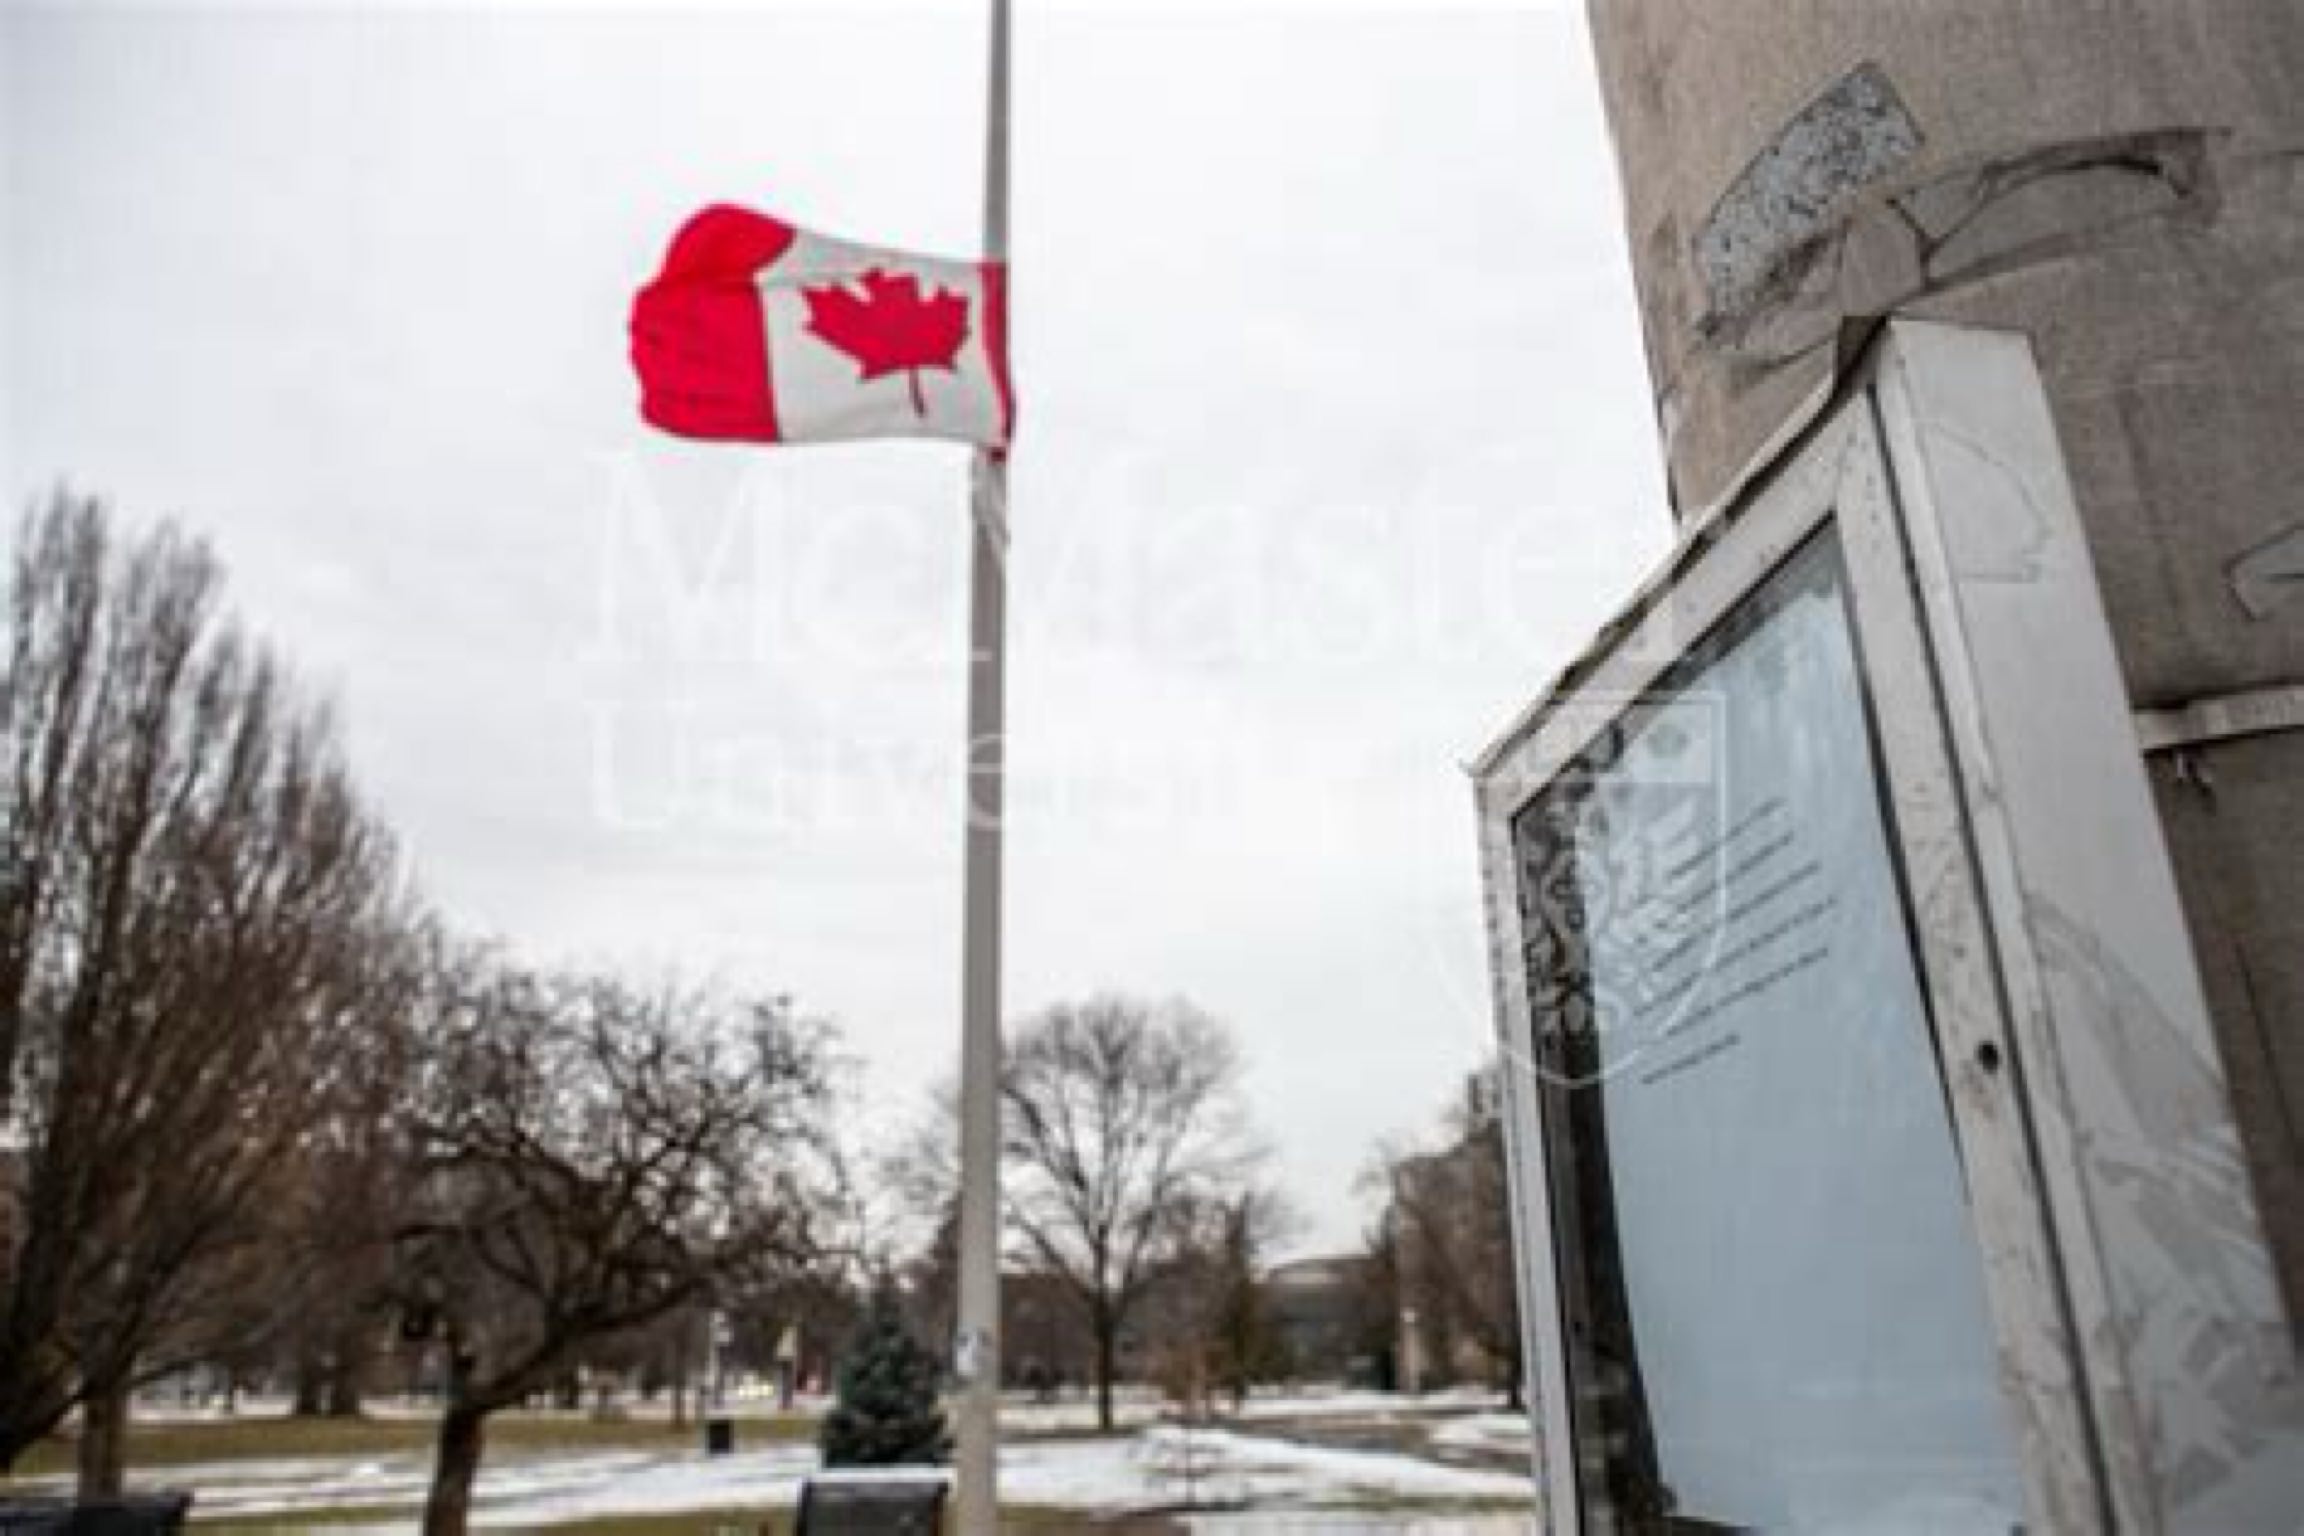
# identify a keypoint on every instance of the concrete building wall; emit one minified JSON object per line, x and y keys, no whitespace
{"x":2125,"y":183}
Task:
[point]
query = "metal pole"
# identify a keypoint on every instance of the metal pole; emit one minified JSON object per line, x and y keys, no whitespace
{"x":977,"y":1349}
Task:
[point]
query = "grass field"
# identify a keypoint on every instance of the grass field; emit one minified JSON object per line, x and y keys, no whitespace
{"x":175,"y":1443}
{"x":740,"y":1522}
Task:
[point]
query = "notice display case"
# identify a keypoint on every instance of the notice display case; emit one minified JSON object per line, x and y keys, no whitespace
{"x":1872,"y":1161}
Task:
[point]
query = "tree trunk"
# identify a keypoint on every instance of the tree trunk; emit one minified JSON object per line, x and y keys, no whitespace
{"x":103,"y":1443}
{"x":348,"y":1372}
{"x":456,"y":1459}
{"x":1106,"y":1322}
{"x":310,"y":1372}
{"x":455,"y":1465}
{"x":344,"y":1395}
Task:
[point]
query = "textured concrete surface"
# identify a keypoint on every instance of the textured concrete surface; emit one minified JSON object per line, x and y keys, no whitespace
{"x":2125,"y":183}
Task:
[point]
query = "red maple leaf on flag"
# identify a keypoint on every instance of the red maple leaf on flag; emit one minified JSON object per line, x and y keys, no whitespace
{"x":890,"y":328}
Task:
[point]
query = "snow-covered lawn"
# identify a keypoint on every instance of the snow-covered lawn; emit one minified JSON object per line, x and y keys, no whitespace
{"x":1077,"y":1410}
{"x":1227,"y":1468}
{"x":1243,"y":1482}
{"x":1504,"y":1433}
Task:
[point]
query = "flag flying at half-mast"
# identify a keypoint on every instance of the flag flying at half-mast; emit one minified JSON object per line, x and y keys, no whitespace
{"x":760,"y":331}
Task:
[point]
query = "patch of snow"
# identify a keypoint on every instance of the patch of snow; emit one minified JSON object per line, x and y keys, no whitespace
{"x":1329,"y":1522}
{"x":1170,"y":1466}
{"x":1340,"y":1401}
{"x":1485,"y":1432}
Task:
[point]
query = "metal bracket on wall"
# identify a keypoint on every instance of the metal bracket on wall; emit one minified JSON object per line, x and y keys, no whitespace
{"x":2267,"y":576}
{"x":2226,"y":716}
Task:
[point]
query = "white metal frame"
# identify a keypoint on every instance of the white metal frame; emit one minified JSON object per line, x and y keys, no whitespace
{"x":2149,"y":1370}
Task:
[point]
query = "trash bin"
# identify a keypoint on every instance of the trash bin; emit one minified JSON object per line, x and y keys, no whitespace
{"x":142,"y":1514}
{"x":719,"y":1437}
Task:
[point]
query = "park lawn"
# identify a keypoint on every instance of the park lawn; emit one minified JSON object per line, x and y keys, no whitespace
{"x":367,"y":1515}
{"x":1026,"y":1520}
{"x":696,"y":1522}
{"x":172,"y":1443}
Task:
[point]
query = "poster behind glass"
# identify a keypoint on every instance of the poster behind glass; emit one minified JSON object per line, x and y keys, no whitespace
{"x":1776,"y":1302}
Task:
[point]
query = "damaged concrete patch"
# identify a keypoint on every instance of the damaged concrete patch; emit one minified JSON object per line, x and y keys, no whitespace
{"x":1764,"y":229}
{"x":1874,"y":249}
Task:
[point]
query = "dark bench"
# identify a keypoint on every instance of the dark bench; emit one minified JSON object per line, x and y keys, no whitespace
{"x":142,"y":1514}
{"x":873,"y":1504}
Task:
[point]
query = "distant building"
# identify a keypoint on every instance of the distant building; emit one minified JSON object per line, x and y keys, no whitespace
{"x":1046,"y":1344}
{"x":1322,"y":1310}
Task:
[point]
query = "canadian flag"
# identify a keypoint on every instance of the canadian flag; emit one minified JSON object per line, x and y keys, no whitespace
{"x":760,"y":331}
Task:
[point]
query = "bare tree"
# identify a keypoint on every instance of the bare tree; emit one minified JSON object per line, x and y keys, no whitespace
{"x":1119,"y":1113}
{"x":335,"y":1206}
{"x":592,"y":1158}
{"x":1448,"y":1216}
{"x":189,"y":887}
{"x":1208,"y":1295}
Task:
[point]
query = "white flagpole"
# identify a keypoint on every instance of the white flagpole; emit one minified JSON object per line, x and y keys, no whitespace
{"x":977,"y":1349}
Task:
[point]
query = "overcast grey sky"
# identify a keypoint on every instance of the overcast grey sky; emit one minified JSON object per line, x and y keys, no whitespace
{"x":1334,"y":445}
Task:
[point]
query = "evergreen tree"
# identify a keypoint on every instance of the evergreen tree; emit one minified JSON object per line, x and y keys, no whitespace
{"x":888,"y":1413}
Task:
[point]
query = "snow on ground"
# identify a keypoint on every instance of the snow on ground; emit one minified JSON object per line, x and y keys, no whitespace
{"x":1226,"y":1467}
{"x":1299,"y":1405}
{"x":1242,"y":1482}
{"x":1163,"y":1467}
{"x":1331,"y":1522}
{"x":1254,"y":1484}
{"x":1139,"y":1407}
{"x":1505,"y":1433}
{"x":683,"y":1481}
